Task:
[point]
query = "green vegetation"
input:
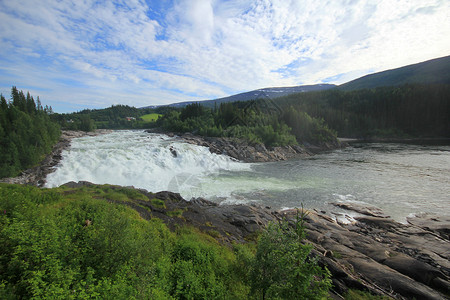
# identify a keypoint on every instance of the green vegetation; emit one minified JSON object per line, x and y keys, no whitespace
{"x":114,"y":117}
{"x":150,"y":117}
{"x":282,"y":269}
{"x":435,"y":71}
{"x":79,"y":244}
{"x":26,"y":132}
{"x":412,"y":110}
{"x":253,"y":121}
{"x":158,"y":203}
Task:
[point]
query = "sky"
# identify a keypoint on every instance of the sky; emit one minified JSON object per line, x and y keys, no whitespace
{"x":93,"y":54}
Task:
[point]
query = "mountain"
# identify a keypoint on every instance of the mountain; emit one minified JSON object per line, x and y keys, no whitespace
{"x":428,"y":72}
{"x":269,"y":93}
{"x":431,"y":71}
{"x":264,"y":93}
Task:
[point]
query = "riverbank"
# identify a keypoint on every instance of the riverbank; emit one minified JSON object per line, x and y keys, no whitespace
{"x":374,"y":253}
{"x":244,"y":151}
{"x":411,"y":141}
{"x":36,"y":176}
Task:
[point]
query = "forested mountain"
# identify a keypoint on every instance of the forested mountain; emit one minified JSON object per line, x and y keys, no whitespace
{"x":412,"y":101}
{"x":26,"y":132}
{"x":435,"y":71}
{"x":265,"y":93}
{"x":411,"y":110}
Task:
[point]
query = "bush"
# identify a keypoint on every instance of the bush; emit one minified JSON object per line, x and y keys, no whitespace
{"x":282,"y":268}
{"x":70,"y":243}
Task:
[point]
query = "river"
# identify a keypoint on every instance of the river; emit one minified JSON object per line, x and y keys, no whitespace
{"x":400,"y":179}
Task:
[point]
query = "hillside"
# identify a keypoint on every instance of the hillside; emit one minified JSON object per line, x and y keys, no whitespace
{"x":264,"y":93}
{"x":435,"y":71}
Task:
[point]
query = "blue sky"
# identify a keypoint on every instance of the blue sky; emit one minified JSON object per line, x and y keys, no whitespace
{"x":93,"y":54}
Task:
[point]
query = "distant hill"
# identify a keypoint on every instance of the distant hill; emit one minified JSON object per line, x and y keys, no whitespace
{"x":269,"y":93}
{"x":431,"y":71}
{"x":264,"y":93}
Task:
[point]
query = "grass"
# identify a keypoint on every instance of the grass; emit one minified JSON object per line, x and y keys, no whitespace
{"x":150,"y":117}
{"x":158,"y":203}
{"x":175,"y":213}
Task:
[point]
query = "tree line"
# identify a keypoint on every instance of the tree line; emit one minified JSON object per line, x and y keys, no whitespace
{"x":257,"y":121}
{"x":114,"y":117}
{"x":27,"y":133}
{"x":411,"y":110}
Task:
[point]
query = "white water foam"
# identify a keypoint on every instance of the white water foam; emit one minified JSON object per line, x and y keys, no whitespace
{"x":135,"y":158}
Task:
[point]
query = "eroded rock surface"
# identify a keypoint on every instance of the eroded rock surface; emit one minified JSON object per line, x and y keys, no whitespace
{"x":243,"y":151}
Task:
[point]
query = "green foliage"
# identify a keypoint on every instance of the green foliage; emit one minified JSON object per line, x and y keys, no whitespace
{"x":26,"y":133}
{"x":282,"y":266}
{"x":158,"y":203}
{"x":150,"y":117}
{"x":65,"y":243}
{"x":415,"y":110}
{"x":251,"y":121}
{"x":75,"y":244}
{"x":175,"y":213}
{"x":306,"y":128}
{"x":86,"y":123}
{"x":114,"y":117}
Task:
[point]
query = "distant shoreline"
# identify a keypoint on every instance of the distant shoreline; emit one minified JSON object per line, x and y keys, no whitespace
{"x":439,"y":141}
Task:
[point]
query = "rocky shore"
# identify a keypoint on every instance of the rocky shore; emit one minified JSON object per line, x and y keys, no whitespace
{"x":373,"y":253}
{"x":36,"y":175}
{"x":246,"y":152}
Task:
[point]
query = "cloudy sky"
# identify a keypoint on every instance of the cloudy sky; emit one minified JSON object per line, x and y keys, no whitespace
{"x":92,"y":54}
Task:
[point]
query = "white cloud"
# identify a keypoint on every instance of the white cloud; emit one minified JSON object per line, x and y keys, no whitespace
{"x":200,"y":49}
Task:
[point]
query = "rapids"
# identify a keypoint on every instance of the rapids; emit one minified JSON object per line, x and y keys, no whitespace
{"x":400,"y":179}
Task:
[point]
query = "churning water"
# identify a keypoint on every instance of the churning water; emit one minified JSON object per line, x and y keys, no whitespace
{"x":400,"y":179}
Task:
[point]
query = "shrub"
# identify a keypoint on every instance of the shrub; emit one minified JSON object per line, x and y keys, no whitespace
{"x":282,"y":267}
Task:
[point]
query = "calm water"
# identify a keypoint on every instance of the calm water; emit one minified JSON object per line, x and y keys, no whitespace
{"x":400,"y":179}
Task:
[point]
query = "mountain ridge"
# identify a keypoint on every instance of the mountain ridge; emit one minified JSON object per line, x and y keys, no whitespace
{"x":434,"y":71}
{"x":431,"y":71}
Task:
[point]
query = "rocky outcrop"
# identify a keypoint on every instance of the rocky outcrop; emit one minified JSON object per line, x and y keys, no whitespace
{"x":378,"y":254}
{"x":404,"y":261}
{"x":36,"y":175}
{"x":242,"y":150}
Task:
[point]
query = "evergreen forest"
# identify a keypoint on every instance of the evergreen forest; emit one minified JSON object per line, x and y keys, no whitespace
{"x":114,"y":117}
{"x":410,"y":110}
{"x":27,"y":133}
{"x":407,"y":111}
{"x":256,"y":121}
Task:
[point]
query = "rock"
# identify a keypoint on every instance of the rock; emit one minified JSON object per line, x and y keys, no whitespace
{"x":387,"y":278}
{"x":243,"y":151}
{"x":438,"y":224}
{"x":362,"y":209}
{"x":379,"y":222}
